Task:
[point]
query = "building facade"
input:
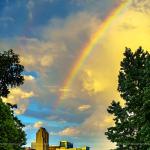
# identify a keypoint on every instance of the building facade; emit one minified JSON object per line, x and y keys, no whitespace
{"x":42,"y":139}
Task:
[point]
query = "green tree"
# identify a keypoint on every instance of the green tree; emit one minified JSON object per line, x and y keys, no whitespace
{"x":12,"y":136}
{"x":10,"y":72}
{"x":131,"y":130}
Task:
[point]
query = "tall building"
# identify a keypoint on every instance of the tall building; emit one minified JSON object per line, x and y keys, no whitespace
{"x":42,"y":139}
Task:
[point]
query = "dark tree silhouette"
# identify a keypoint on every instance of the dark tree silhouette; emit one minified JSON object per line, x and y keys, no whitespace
{"x":10,"y":72}
{"x":12,"y":136}
{"x":132,"y":121}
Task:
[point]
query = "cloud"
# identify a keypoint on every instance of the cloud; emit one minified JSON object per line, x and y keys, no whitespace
{"x":17,"y":94}
{"x":46,"y":60}
{"x":90,"y":84}
{"x":30,"y":6}
{"x":19,"y":97}
{"x":21,"y":109}
{"x":28,"y":78}
{"x":67,"y":93}
{"x":27,"y":60}
{"x":39,"y":55}
{"x":84,"y":107}
{"x":69,"y":132}
{"x":32,"y":126}
{"x":141,"y":6}
{"x":38,"y":124}
{"x":93,"y":127}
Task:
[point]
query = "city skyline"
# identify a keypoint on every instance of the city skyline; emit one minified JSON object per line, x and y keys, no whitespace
{"x":42,"y":142}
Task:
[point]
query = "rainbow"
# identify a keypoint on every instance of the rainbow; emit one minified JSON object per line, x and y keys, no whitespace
{"x":94,"y":39}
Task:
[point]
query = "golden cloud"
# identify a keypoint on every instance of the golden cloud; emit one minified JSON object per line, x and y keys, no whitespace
{"x":46,"y":60}
{"x":38,"y":124}
{"x":69,"y":132}
{"x":19,"y":97}
{"x":84,"y":107}
{"x":28,"y":78}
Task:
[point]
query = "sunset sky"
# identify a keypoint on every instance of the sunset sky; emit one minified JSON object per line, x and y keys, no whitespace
{"x":71,"y":50}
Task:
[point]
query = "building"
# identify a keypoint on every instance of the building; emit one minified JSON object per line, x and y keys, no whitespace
{"x":33,"y":145}
{"x":42,"y":139}
{"x":42,"y":143}
{"x":66,"y":144}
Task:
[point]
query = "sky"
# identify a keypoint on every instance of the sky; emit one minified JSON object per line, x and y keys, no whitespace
{"x":71,"y":51}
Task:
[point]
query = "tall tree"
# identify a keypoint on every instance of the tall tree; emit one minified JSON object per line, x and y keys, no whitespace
{"x":12,"y":136}
{"x":131,"y":130}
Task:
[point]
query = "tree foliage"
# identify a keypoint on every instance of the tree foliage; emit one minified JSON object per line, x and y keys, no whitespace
{"x":132,"y":121}
{"x":10,"y":72}
{"x":12,"y":136}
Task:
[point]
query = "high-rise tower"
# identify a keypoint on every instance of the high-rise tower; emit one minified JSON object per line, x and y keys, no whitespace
{"x":42,"y":139}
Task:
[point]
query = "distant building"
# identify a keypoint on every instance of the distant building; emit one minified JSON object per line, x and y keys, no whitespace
{"x":66,"y":144}
{"x":42,"y":139}
{"x":42,"y":143}
{"x":33,"y":145}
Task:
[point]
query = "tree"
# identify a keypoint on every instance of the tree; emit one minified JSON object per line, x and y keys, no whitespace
{"x":131,"y":130}
{"x":10,"y":72}
{"x":12,"y":136}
